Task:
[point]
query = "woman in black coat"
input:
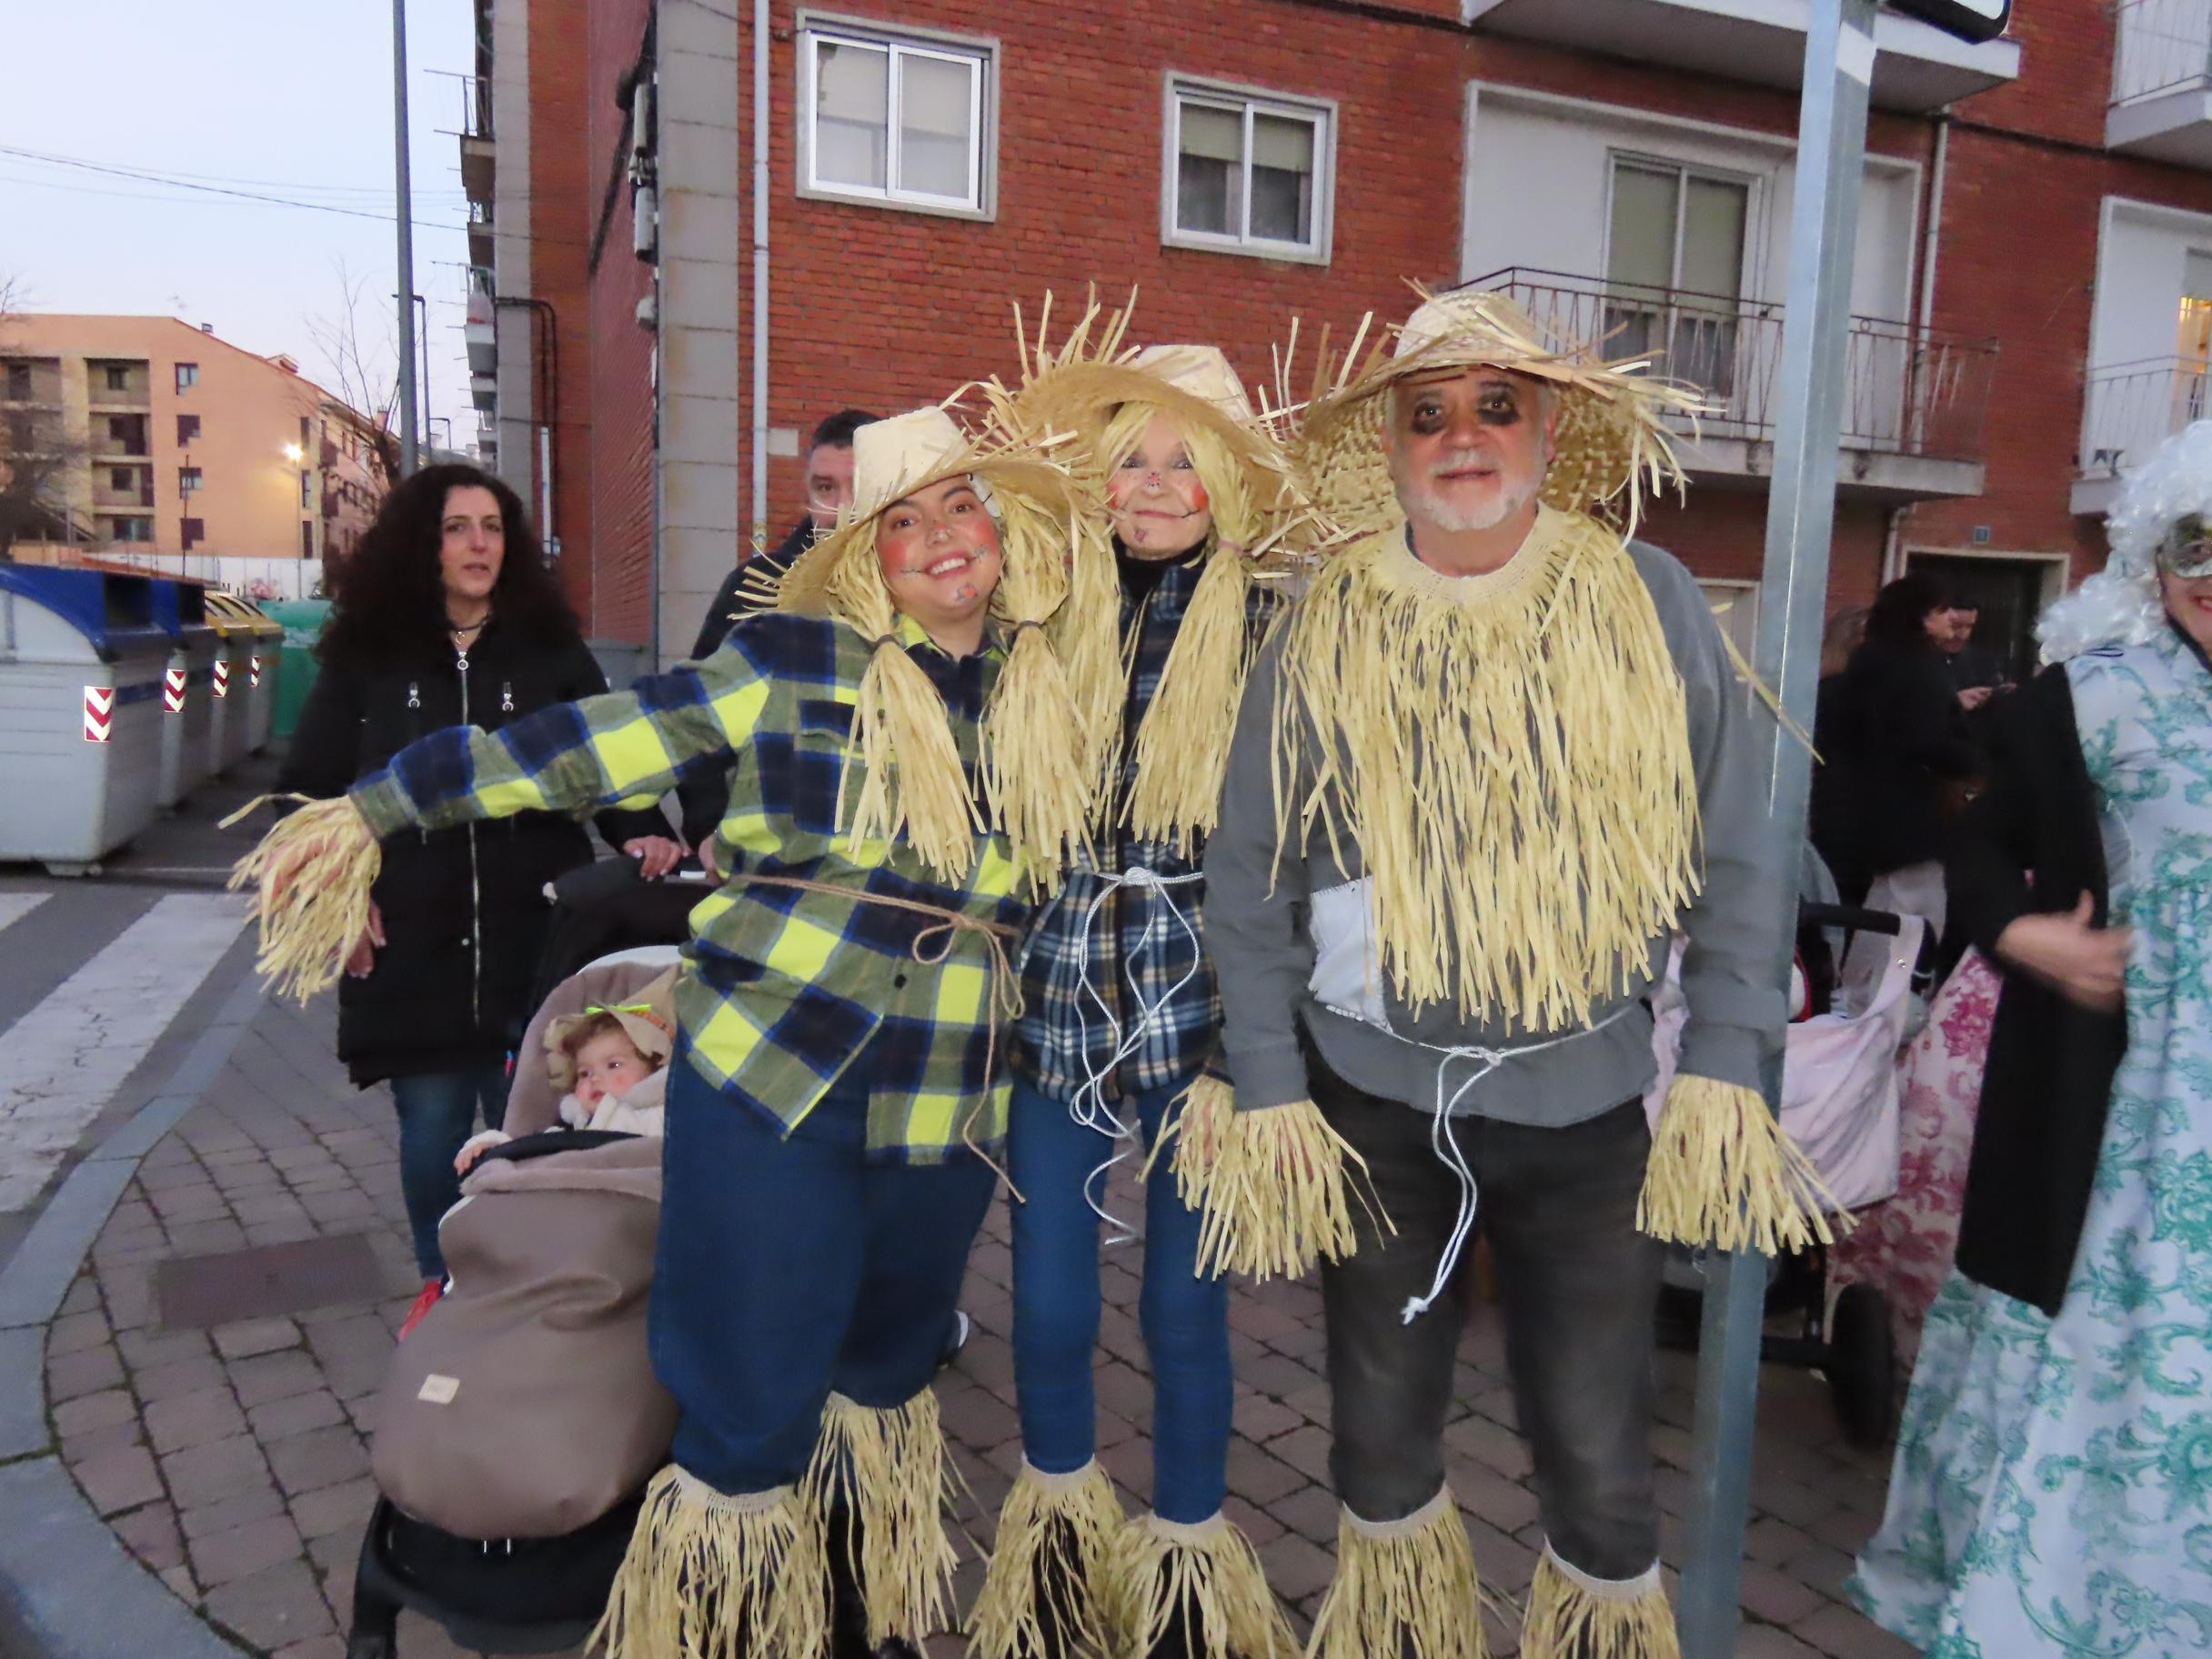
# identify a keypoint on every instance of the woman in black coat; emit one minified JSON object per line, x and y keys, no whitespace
{"x":447,"y":615}
{"x":1893,"y":743}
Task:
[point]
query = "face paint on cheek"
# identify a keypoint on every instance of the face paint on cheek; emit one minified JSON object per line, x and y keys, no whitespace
{"x":1200,"y":500}
{"x":1508,"y":414}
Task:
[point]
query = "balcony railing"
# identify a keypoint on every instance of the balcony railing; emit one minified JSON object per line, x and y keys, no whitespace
{"x":2164,"y":45}
{"x":1907,"y":390}
{"x":2132,"y":406}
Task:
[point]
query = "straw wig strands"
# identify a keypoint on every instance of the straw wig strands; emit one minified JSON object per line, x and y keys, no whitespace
{"x":911,"y":775}
{"x":1091,"y":385}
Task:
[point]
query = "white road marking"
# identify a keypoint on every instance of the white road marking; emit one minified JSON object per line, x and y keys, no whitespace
{"x":62,"y":1062}
{"x":14,"y":907}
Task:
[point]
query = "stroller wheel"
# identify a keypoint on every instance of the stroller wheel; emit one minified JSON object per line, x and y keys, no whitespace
{"x":1862,"y":1365}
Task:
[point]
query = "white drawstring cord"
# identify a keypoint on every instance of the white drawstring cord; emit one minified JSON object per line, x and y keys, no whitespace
{"x":1441,"y":1137}
{"x":1089,"y":1107}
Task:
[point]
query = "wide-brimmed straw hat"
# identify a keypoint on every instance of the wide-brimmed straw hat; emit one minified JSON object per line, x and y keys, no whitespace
{"x":1611,"y":441}
{"x":894,"y":458}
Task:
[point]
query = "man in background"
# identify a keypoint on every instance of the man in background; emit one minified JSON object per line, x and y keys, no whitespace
{"x":828,"y":487}
{"x":1976,"y":674}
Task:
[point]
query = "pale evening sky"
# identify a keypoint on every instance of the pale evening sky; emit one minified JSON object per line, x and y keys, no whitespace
{"x":287,"y":98}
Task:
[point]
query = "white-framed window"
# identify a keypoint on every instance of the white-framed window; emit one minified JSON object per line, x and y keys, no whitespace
{"x":1675,"y":236}
{"x":1735,"y":607}
{"x":1246,"y":171}
{"x":901,"y":119}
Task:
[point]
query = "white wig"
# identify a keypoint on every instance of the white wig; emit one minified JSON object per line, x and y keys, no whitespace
{"x":2121,"y":605}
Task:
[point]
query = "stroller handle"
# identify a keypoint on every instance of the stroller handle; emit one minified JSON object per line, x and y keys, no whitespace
{"x":1850,"y":918}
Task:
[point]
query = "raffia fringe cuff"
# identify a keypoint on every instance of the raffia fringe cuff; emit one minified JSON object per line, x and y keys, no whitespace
{"x":1055,"y":1532}
{"x":888,"y":1470}
{"x":1403,"y":1588}
{"x":1572,"y":1616}
{"x":1272,"y":1185}
{"x":1724,"y":1173}
{"x":311,"y":876}
{"x":739,"y":1578}
{"x":1213,"y":1575}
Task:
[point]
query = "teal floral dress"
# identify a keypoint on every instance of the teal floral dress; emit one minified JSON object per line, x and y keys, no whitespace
{"x":2053,"y":1486}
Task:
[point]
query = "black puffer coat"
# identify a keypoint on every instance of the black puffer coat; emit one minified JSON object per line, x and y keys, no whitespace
{"x":464,"y":912}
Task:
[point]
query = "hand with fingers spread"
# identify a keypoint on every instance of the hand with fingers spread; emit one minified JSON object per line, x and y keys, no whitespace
{"x":2087,"y":965}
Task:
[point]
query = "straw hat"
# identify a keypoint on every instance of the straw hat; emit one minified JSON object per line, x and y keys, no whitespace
{"x":892,"y":460}
{"x":1611,"y":437}
{"x":1036,"y":785}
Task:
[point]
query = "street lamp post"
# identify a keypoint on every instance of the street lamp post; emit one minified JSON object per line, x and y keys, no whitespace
{"x":404,"y":213}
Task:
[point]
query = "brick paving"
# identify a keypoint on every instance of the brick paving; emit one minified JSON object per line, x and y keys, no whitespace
{"x":232,"y":1462}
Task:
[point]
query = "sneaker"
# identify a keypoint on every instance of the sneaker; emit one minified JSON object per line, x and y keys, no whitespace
{"x":432,"y":1289}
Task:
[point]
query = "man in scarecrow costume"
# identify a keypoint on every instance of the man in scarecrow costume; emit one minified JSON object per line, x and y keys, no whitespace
{"x":895,"y":741}
{"x":1119,"y":1016}
{"x":1493,"y":759}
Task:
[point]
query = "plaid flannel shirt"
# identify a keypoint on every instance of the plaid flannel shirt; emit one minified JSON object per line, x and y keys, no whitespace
{"x":783,"y":989}
{"x":1128,"y":940}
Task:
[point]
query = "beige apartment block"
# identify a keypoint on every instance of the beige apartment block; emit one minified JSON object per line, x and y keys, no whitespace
{"x":185,"y":448}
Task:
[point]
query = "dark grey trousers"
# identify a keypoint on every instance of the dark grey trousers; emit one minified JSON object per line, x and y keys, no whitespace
{"x":1579,"y":1286}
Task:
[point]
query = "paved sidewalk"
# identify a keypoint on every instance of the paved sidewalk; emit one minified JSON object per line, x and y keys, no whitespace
{"x":230,"y":1460}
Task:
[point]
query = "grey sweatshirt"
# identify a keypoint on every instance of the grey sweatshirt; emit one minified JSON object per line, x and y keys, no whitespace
{"x":1291,"y":945}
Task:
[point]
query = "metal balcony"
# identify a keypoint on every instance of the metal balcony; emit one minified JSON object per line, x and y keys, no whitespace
{"x":1915,"y":399}
{"x":2131,"y":408}
{"x":1917,"y":68}
{"x":480,"y":333}
{"x":2162,"y":82}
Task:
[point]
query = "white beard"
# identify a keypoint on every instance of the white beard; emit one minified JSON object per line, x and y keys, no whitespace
{"x":1423,"y":503}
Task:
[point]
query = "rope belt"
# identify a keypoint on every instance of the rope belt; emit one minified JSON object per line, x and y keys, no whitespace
{"x":1002,"y":1002}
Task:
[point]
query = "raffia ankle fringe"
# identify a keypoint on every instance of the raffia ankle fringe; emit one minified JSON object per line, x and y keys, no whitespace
{"x":709,"y":1576}
{"x":1054,"y":1531}
{"x":1273,"y":1186}
{"x":1402,"y":1587}
{"x":888,"y":1469}
{"x":1572,"y":1616}
{"x":1722,"y":1172}
{"x":1211,"y":1574}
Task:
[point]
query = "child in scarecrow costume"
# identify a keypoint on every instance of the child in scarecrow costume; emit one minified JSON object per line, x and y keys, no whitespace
{"x":833,"y":1094}
{"x":1492,"y":758}
{"x":1119,"y":1016}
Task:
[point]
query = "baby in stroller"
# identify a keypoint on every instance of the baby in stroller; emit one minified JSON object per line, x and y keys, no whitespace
{"x":610,"y":1065}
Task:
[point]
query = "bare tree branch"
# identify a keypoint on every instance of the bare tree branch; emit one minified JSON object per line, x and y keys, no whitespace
{"x":38,"y":456}
{"x":360,"y":378}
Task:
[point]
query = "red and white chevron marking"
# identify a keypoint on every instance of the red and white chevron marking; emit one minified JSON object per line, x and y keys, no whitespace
{"x":222,"y":678}
{"x":99,"y":713}
{"x":253,"y":670}
{"x":172,"y":691}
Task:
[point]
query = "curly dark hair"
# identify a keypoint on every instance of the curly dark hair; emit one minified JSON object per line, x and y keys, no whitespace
{"x":390,"y":603}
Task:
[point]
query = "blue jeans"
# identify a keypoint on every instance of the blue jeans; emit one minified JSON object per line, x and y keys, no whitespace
{"x":1184,"y":1317}
{"x":790,"y":1267}
{"x":437,"y":1111}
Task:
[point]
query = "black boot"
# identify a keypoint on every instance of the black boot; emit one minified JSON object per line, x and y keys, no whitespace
{"x":848,"y":1603}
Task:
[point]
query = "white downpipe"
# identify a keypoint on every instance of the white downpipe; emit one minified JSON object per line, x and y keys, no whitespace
{"x":1892,"y":549}
{"x":761,"y":188}
{"x":546,"y":527}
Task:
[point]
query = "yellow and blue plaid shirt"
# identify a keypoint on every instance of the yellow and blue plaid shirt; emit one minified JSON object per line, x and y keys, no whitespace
{"x":783,"y":989}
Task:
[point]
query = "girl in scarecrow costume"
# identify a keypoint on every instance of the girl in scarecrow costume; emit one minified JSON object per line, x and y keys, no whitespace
{"x":1119,"y":1016}
{"x":1494,"y":756}
{"x":893,"y":735}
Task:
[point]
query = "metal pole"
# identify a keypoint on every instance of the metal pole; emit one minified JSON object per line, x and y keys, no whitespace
{"x":1800,"y":518}
{"x":423,"y":340}
{"x":404,"y":212}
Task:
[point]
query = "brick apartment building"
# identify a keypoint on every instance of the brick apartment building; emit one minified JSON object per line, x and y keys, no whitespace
{"x":183,"y":451}
{"x":2033,"y":286}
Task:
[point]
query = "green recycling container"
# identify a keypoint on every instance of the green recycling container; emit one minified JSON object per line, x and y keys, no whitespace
{"x":302,"y":620}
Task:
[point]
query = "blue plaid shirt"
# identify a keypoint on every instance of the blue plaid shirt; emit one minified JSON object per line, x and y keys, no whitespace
{"x":1143,"y":947}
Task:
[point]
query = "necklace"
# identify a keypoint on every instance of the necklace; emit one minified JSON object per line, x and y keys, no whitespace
{"x":468,"y":627}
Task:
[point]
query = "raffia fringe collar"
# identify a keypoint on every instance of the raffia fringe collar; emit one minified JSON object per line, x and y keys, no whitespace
{"x":1510,"y":754}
